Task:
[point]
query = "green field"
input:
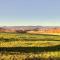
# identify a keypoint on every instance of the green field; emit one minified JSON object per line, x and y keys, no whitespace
{"x":29,"y":46}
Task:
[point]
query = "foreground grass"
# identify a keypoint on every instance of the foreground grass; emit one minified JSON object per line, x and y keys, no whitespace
{"x":30,"y":56}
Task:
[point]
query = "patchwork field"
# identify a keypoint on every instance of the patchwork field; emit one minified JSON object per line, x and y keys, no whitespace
{"x":24,"y":46}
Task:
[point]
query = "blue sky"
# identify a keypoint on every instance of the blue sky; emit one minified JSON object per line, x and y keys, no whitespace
{"x":30,"y":12}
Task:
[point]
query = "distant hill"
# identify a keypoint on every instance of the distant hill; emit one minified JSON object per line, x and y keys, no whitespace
{"x":32,"y":29}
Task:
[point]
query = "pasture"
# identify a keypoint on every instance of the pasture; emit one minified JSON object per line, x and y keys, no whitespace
{"x":24,"y":46}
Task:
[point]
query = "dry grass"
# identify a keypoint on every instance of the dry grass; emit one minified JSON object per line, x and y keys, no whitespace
{"x":30,"y":56}
{"x":29,"y":40}
{"x":29,"y":44}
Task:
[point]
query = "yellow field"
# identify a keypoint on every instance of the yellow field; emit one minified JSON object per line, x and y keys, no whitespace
{"x":27,"y":40}
{"x":50,"y":42}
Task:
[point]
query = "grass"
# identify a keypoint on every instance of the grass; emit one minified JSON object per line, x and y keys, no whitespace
{"x":30,"y":56}
{"x":29,"y":40}
{"x":29,"y":46}
{"x":29,"y":36}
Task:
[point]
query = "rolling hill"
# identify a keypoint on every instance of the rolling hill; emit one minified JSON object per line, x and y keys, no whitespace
{"x":32,"y":29}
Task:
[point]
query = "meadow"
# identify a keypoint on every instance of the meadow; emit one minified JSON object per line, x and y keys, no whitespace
{"x":24,"y":46}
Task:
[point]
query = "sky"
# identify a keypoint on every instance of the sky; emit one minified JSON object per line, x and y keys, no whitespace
{"x":30,"y":12}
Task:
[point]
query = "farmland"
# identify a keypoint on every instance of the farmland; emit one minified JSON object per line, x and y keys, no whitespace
{"x":27,"y":40}
{"x":26,"y":46}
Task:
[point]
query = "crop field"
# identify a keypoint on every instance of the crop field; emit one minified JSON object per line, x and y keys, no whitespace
{"x":24,"y":46}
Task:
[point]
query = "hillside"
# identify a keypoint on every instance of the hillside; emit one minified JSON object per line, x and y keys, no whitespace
{"x":31,"y":29}
{"x":54,"y":31}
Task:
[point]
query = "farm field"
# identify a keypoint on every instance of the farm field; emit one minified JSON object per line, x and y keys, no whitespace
{"x":24,"y":46}
{"x":28,"y":40}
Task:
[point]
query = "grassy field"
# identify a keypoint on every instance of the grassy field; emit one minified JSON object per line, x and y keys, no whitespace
{"x":23,"y":46}
{"x":28,"y":40}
